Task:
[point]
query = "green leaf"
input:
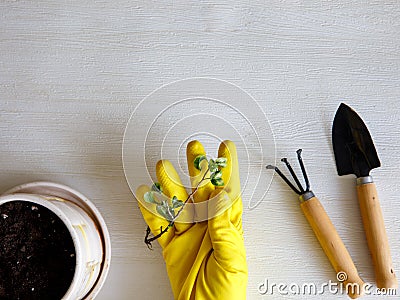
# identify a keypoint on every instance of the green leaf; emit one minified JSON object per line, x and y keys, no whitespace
{"x":198,"y":160}
{"x":162,"y":211}
{"x":212,"y":166}
{"x":149,"y":198}
{"x":156,"y":187}
{"x":217,"y":182}
{"x":176,"y":203}
{"x":216,"y":175}
{"x":221,"y":162}
{"x":165,"y":212}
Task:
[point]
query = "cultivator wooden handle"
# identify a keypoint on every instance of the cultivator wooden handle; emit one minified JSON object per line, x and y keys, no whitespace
{"x":333,"y":246}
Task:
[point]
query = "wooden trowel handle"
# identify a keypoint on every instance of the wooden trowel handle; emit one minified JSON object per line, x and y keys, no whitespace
{"x":333,"y":245}
{"x":376,"y":235}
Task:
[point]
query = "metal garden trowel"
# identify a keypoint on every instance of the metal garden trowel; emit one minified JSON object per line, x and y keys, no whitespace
{"x":355,"y":153}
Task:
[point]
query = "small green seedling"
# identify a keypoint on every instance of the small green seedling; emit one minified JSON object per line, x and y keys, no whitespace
{"x":170,"y":209}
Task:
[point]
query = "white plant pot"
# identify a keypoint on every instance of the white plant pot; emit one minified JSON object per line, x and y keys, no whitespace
{"x":86,"y":226}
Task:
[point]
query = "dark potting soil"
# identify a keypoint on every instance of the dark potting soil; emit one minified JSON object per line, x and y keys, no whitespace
{"x":37,"y":254}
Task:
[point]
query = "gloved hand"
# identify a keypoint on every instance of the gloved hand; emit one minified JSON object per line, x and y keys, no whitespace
{"x":206,"y":259}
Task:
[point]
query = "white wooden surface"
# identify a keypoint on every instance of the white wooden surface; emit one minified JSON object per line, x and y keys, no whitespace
{"x":71,"y":73}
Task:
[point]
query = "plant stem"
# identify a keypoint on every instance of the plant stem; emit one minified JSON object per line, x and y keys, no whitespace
{"x":148,"y":240}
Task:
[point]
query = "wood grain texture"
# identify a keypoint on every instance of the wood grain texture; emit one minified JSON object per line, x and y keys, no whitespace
{"x":72,"y":72}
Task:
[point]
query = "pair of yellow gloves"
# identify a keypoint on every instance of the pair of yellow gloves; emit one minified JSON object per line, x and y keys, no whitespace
{"x":204,"y":259}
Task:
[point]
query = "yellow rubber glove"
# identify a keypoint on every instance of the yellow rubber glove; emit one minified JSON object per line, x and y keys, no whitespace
{"x":206,"y":259}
